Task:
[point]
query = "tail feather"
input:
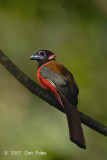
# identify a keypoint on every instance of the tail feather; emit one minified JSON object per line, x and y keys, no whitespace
{"x":74,"y":124}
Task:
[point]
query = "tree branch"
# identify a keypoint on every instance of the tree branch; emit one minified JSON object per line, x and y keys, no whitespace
{"x":45,"y":95}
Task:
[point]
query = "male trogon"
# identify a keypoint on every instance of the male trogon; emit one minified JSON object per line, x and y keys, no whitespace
{"x":55,"y":78}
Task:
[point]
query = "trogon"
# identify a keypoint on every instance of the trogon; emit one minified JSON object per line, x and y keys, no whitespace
{"x":55,"y":78}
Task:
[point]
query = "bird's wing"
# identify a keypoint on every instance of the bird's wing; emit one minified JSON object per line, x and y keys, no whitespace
{"x":61,"y":83}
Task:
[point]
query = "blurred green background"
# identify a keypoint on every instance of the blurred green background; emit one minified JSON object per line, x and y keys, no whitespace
{"x":77,"y":32}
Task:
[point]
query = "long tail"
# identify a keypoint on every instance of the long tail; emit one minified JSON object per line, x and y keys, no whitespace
{"x":74,"y":124}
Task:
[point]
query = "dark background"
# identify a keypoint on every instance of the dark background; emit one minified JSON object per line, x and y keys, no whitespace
{"x":77,"y":32}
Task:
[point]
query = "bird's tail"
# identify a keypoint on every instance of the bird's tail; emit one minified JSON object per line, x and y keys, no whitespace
{"x":74,"y":124}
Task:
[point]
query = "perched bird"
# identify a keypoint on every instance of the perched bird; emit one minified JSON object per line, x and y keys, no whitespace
{"x":55,"y":78}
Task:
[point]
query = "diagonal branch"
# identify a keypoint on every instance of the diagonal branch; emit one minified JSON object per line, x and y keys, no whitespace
{"x":45,"y":95}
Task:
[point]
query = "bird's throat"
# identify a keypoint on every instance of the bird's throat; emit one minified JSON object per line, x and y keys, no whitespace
{"x":42,"y":62}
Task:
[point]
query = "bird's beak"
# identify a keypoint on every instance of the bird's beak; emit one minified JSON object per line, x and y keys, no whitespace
{"x":36,"y":57}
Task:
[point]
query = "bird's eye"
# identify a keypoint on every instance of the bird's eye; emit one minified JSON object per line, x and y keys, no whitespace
{"x":42,"y":54}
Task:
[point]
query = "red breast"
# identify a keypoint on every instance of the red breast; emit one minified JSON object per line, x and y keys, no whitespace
{"x":48,"y":86}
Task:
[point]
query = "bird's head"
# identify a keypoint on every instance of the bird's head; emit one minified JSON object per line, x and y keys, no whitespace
{"x":43,"y":55}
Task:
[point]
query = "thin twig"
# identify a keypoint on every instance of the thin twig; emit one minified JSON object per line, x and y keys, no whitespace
{"x":45,"y":95}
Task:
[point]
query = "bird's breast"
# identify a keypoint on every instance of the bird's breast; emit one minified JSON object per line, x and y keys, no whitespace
{"x":48,"y":86}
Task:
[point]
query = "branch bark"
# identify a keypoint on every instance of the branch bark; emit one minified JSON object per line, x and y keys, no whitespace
{"x":45,"y":95}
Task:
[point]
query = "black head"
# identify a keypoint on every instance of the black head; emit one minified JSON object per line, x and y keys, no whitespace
{"x":43,"y":56}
